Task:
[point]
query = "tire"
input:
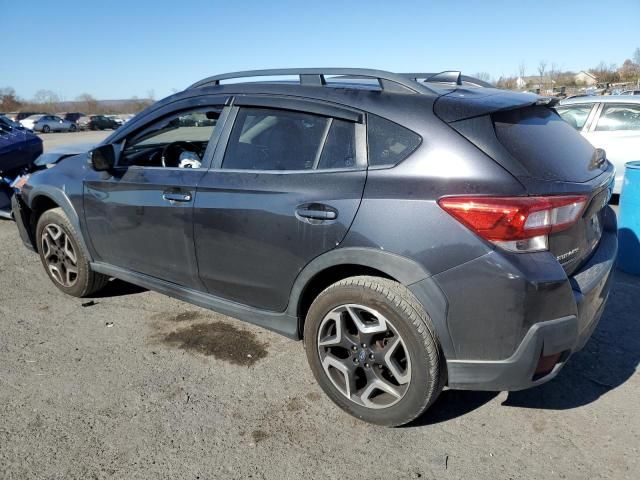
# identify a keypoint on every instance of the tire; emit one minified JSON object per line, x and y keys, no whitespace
{"x":46,"y":129}
{"x":58,"y":246}
{"x":405,"y":360}
{"x":73,"y":128}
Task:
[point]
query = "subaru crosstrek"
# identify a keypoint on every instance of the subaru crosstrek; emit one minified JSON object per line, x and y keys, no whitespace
{"x":416,"y":231}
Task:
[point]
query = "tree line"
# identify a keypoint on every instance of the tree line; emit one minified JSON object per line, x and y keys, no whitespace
{"x":48,"y":101}
{"x":545,"y":72}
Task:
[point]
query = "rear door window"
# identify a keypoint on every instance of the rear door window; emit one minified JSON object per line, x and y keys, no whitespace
{"x":270,"y":139}
{"x":619,"y":117}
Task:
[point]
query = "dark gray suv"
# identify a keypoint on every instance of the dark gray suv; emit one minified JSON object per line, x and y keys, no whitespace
{"x":416,"y":231}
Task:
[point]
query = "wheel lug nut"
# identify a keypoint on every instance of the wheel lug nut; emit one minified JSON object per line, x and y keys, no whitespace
{"x":364,"y":345}
{"x":371,"y":356}
{"x":366,"y":365}
{"x":354,"y":348}
{"x":355,"y":360}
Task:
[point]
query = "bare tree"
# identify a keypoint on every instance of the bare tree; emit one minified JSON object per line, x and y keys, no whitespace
{"x":46,"y":96}
{"x":46,"y":99}
{"x":9,"y":101}
{"x":88,"y":103}
{"x":542,"y":68}
{"x":629,"y":70}
{"x":484,"y":76}
{"x":522,"y":69}
{"x":508,"y":83}
{"x":606,"y":73}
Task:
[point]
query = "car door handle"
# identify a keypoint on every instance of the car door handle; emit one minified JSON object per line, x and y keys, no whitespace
{"x":317,"y":212}
{"x":177,"y":197}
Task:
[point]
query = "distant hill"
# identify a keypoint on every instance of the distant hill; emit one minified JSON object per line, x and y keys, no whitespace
{"x":88,"y":107}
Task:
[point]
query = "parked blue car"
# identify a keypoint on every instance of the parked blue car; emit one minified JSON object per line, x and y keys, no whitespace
{"x":19,"y":147}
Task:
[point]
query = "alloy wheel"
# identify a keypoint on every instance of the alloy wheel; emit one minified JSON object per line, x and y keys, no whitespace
{"x":364,"y":356}
{"x":59,"y":255}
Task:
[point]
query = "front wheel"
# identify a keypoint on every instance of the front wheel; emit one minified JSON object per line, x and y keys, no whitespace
{"x":63,"y":259}
{"x":372,"y":348}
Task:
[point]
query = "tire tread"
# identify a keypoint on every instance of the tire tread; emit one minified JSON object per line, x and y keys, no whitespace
{"x":404,"y":301}
{"x":93,"y":281}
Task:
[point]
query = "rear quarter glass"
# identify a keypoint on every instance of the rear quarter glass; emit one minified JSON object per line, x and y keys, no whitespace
{"x":545,"y":145}
{"x":389,"y":143}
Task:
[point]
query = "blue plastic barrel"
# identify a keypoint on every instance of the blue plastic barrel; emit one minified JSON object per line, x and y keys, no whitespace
{"x":629,"y":220}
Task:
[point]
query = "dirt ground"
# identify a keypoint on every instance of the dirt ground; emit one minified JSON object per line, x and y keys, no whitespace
{"x":135,"y":385}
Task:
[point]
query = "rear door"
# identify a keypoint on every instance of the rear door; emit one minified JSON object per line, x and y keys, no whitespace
{"x":617,"y":130}
{"x":57,"y":124}
{"x":285,"y":190}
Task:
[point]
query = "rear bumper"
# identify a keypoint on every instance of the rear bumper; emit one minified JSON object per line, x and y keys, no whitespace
{"x":518,"y":371}
{"x":564,"y":335}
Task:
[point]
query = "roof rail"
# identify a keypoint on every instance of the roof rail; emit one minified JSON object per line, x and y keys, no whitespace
{"x":449,"y":76}
{"x":388,"y":81}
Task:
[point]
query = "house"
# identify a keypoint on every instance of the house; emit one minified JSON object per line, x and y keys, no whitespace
{"x":534,"y":82}
{"x":585,"y":78}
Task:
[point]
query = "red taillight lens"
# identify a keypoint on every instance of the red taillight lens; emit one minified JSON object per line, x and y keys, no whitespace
{"x":516,"y":223}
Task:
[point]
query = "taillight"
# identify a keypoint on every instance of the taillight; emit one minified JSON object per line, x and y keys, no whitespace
{"x":517,"y":224}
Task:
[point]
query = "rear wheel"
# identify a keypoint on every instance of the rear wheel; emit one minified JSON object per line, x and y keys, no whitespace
{"x":46,"y":129}
{"x":372,"y":349}
{"x":63,"y":259}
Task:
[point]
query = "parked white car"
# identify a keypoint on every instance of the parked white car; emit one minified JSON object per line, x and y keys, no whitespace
{"x":608,"y":122}
{"x":48,"y":123}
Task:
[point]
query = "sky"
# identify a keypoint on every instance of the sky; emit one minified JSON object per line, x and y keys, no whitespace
{"x":118,"y":49}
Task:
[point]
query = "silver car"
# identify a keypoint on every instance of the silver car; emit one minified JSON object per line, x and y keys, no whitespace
{"x":48,"y":123}
{"x":611,"y":123}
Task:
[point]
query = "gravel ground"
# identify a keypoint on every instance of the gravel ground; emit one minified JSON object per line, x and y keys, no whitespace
{"x":135,"y":385}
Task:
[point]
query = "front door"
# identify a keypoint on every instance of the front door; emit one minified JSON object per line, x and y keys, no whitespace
{"x":285,"y":191}
{"x":140,"y":217}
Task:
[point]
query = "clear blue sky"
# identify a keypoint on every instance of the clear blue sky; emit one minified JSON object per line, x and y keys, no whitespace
{"x":117,"y":49}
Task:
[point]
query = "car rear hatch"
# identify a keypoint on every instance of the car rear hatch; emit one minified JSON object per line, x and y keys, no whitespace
{"x":523,"y":134}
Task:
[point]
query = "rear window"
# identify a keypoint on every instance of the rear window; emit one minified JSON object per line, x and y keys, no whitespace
{"x":547,"y":146}
{"x":389,"y":143}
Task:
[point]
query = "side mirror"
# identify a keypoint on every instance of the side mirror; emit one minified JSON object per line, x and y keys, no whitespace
{"x":103,"y":158}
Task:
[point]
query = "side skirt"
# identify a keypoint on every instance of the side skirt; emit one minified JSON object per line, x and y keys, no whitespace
{"x":281,"y":323}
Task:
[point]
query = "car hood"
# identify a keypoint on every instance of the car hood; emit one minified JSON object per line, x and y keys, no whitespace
{"x":59,"y":153}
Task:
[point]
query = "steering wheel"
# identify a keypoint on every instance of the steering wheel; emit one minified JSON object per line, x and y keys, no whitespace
{"x":171,"y":152}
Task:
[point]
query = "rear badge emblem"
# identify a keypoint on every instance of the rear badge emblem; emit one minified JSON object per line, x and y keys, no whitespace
{"x":566,"y":256}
